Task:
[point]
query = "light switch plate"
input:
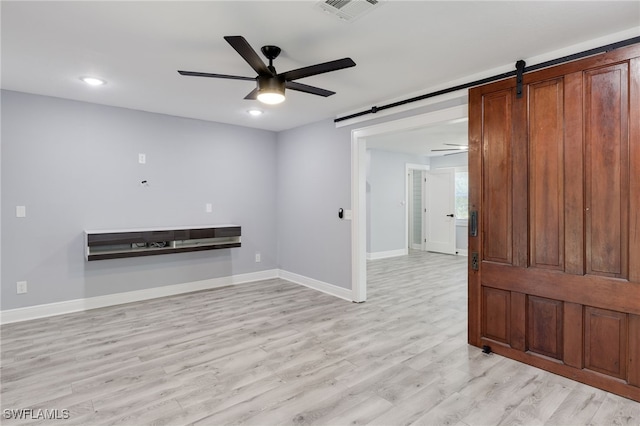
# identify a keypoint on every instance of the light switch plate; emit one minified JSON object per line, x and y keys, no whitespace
{"x":208,"y":208}
{"x":347,"y":214}
{"x":21,"y":211}
{"x":142,"y":158}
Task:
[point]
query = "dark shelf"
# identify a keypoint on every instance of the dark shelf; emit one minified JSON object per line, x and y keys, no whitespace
{"x":117,"y":244}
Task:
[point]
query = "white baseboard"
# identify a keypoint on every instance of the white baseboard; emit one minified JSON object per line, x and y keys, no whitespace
{"x":462,"y":252}
{"x":387,"y":254}
{"x":333,"y":290}
{"x":78,"y":305}
{"x":416,"y":246}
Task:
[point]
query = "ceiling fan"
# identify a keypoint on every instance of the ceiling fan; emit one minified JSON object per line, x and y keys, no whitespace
{"x":271,"y":85}
{"x":460,"y":148}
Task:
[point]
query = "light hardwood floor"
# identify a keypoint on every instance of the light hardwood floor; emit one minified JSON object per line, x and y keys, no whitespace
{"x":273,"y":352}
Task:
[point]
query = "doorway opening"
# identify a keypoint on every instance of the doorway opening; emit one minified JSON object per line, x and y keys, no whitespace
{"x":359,"y":145}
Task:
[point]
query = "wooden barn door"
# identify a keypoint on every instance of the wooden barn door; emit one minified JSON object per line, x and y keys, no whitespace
{"x":554,"y":271}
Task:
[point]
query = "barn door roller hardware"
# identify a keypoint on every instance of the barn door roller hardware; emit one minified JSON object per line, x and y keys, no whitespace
{"x":569,"y":58}
{"x":519,"y":73}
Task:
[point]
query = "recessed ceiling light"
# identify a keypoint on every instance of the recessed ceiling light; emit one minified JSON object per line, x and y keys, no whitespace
{"x":255,"y":112}
{"x":92,"y":81}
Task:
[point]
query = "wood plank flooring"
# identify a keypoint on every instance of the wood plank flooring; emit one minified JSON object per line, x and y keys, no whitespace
{"x":275,"y":353}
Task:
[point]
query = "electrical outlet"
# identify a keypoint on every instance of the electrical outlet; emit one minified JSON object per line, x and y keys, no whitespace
{"x":208,"y":208}
{"x":21,"y":287}
{"x":142,"y":158}
{"x":258,"y":258}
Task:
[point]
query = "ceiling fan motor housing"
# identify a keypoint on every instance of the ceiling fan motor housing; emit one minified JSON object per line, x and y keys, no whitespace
{"x":270,"y":84}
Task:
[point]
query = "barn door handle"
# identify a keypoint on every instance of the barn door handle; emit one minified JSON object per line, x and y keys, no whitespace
{"x":450,"y":215}
{"x":473,"y":224}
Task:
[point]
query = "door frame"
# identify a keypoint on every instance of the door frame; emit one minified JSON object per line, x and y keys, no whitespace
{"x":359,"y":180}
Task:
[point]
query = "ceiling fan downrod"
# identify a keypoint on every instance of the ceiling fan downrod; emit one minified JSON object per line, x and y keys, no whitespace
{"x":271,"y":52}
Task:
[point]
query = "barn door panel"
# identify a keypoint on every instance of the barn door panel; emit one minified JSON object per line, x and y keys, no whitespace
{"x":607,"y":173}
{"x":554,"y":274}
{"x":496,"y":184}
{"x":546,"y":174}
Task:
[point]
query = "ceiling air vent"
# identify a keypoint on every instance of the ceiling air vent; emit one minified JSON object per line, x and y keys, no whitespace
{"x":347,"y":10}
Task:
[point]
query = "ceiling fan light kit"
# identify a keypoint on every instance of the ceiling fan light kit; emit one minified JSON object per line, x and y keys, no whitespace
{"x":271,"y":98}
{"x":270,"y":89}
{"x":270,"y":85}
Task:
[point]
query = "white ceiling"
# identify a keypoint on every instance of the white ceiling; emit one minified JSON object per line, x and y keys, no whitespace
{"x":401,"y":47}
{"x":422,"y":141}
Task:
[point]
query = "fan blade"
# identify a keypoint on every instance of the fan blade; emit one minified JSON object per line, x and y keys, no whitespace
{"x":253,"y":95}
{"x":455,"y":144}
{"x":204,"y":74}
{"x":455,"y":153}
{"x":318,"y":69}
{"x":450,"y":149}
{"x":248,"y":54}
{"x":308,"y":89}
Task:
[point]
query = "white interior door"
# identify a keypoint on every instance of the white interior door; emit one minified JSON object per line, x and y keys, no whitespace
{"x":440,"y":221}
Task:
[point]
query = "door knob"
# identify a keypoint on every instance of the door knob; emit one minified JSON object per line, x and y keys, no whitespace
{"x":450,"y":215}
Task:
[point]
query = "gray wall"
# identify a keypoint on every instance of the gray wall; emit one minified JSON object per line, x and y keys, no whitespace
{"x":314,"y":181}
{"x":75,"y":166}
{"x":386,"y":190}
